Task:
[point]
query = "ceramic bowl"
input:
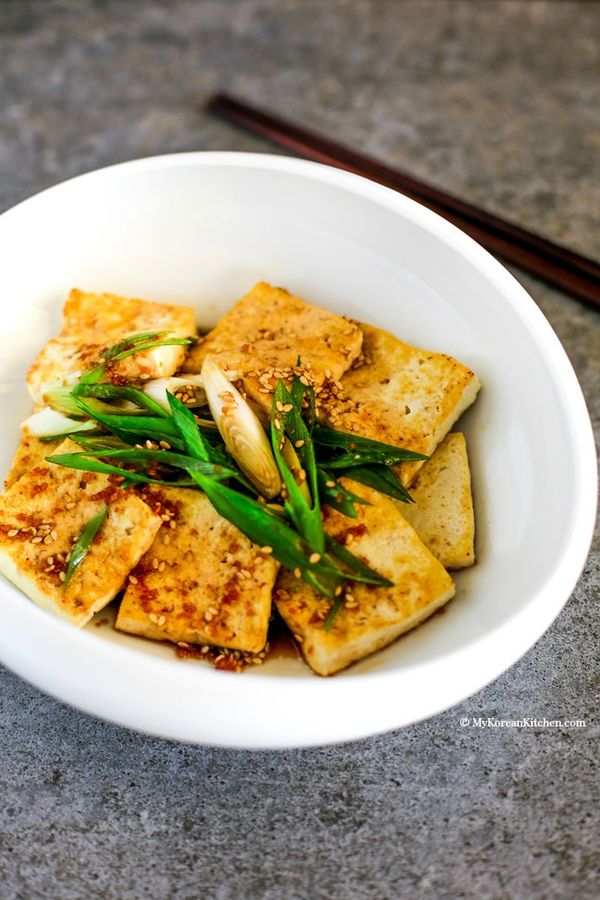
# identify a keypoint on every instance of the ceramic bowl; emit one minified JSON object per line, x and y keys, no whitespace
{"x":201,"y":228}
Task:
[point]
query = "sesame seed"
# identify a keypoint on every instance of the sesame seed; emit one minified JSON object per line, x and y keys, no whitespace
{"x":299,"y":443}
{"x":165,"y":445}
{"x":133,"y":579}
{"x":13,"y":532}
{"x":36,"y":540}
{"x":62,"y":576}
{"x":208,"y":616}
{"x":155,"y":563}
{"x":330,"y":484}
{"x":266,"y":550}
{"x":314,"y":557}
{"x":161,"y":566}
{"x":161,"y":620}
{"x":298,"y":637}
{"x":297,"y":572}
{"x":167,"y":539}
{"x":153,"y":618}
{"x":338,"y":591}
{"x":182,"y":644}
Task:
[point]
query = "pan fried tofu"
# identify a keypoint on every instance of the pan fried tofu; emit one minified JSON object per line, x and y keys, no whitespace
{"x":30,"y":452}
{"x":93,"y":322}
{"x":370,"y":617}
{"x":202,"y":581}
{"x":41,"y":517}
{"x":402,"y":395}
{"x":262,"y":336}
{"x":442,"y":514}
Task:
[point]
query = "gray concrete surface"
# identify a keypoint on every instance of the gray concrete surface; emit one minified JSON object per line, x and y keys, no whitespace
{"x":499,"y":102}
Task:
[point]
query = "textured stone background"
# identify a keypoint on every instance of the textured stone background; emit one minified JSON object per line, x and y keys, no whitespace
{"x":500,"y":103}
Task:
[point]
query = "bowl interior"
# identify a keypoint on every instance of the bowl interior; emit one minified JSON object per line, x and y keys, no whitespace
{"x":201,"y":229}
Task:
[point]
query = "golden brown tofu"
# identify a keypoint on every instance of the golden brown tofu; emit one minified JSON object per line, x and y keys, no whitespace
{"x":442,"y":514}
{"x":266,"y":331}
{"x":402,"y":395}
{"x":93,"y":322}
{"x":43,"y":514}
{"x":202,"y":581}
{"x":370,"y":617}
{"x":30,"y":452}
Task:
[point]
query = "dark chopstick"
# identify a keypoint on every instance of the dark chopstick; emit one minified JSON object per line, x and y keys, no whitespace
{"x":556,"y":265}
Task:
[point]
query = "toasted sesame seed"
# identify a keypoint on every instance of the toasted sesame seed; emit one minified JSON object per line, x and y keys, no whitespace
{"x":314,"y":557}
{"x":299,"y":443}
{"x":277,"y":424}
{"x":70,"y":505}
{"x":133,"y":579}
{"x":337,"y":591}
{"x":330,"y":484}
{"x":13,"y":532}
{"x":165,"y":445}
{"x":62,"y":576}
{"x":266,"y":550}
{"x":297,"y":572}
{"x":153,"y":618}
{"x":182,"y":644}
{"x":208,"y":616}
{"x":298,"y":637}
{"x":36,"y":540}
{"x":161,"y":620}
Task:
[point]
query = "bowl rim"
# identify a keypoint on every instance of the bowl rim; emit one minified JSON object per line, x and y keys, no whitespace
{"x":489,"y":655}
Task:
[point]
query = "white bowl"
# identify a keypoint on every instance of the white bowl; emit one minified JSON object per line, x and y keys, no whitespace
{"x":201,"y":228}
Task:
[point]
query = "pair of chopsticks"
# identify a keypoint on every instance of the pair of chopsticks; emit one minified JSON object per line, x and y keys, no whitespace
{"x":556,"y":265}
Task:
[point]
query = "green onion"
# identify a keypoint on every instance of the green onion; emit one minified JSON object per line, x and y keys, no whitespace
{"x":336,"y":495}
{"x":305,"y":517}
{"x":381,"y":479}
{"x":83,"y":544}
{"x":361,"y":450}
{"x":359,"y":570}
{"x":335,"y":608}
{"x":86,"y":463}
{"x":133,"y":429}
{"x":194,"y":442}
{"x":119,"y":392}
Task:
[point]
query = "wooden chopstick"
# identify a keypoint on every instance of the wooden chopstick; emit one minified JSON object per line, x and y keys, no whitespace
{"x":556,"y":265}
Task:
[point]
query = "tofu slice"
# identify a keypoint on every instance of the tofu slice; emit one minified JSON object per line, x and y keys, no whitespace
{"x":93,"y":322}
{"x":262,"y":336}
{"x":402,"y":395}
{"x":202,"y":581}
{"x":373,"y":616}
{"x":442,"y":514}
{"x":30,"y":452}
{"x":43,"y":514}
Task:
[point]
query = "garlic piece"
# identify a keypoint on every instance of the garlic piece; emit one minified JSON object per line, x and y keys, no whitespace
{"x":241,"y":430}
